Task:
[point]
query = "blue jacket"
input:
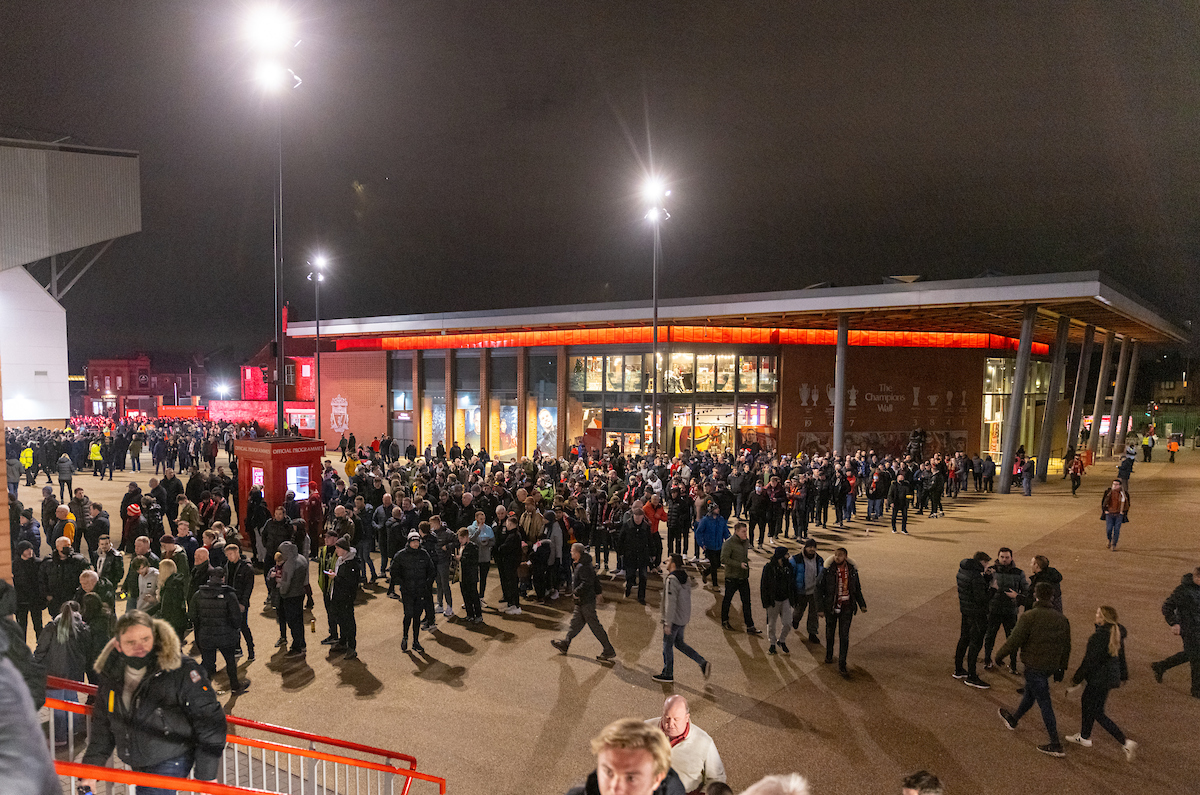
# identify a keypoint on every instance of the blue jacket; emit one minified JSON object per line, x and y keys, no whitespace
{"x":798,"y":564}
{"x":712,"y":531}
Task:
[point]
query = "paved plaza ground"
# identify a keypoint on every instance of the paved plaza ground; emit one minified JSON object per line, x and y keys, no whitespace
{"x":494,"y":709}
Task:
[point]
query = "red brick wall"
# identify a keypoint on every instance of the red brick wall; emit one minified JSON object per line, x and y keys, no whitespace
{"x":360,"y":380}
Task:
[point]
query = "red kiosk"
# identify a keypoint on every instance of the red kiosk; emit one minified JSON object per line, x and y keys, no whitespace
{"x":278,"y":465}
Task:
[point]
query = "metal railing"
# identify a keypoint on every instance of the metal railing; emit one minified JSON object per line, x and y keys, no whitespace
{"x":272,"y":766}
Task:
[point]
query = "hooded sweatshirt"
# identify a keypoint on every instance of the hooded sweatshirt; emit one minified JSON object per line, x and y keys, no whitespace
{"x":293,"y":572}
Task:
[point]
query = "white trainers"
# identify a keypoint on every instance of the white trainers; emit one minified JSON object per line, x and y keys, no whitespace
{"x":554,"y":596}
{"x":448,"y":612}
{"x":1079,"y":740}
{"x":1130,"y":749}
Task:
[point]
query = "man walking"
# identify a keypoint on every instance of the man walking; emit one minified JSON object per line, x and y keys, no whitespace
{"x":841,"y":598}
{"x":973,"y":599}
{"x":1043,"y":636}
{"x":778,"y":591}
{"x":585,"y":586}
{"x":1114,"y":512}
{"x":809,"y":568}
{"x":676,"y":613}
{"x":217,"y":620}
{"x":898,"y":497}
{"x":735,"y":558}
{"x":1182,"y":612}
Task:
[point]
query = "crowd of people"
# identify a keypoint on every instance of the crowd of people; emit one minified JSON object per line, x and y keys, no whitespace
{"x":181,"y":558}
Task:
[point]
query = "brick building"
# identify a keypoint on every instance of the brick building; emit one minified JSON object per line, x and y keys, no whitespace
{"x":135,"y":383}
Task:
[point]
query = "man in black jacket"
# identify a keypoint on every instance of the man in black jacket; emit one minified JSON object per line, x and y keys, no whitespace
{"x":346,"y":573}
{"x":584,"y":588}
{"x":1182,"y":612}
{"x":679,"y":521}
{"x":154,"y":706}
{"x":60,"y":574}
{"x":1009,"y":587}
{"x":841,"y":598}
{"x":412,"y":569}
{"x":239,"y":575}
{"x":898,"y":494}
{"x":217,"y":620}
{"x":635,"y":550}
{"x":973,"y":599}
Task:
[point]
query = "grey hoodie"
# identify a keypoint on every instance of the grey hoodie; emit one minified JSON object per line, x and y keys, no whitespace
{"x":293,"y":573}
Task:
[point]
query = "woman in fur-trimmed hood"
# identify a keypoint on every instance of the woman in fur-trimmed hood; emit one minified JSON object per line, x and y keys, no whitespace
{"x":153,"y":705}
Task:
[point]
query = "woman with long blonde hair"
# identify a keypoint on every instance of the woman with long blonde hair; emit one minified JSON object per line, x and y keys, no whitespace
{"x":1103,"y":668}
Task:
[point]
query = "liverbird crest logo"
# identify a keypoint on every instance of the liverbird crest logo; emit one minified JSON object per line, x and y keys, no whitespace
{"x":339,"y":419}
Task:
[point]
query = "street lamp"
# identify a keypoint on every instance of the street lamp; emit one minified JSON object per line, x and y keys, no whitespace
{"x":316,"y":277}
{"x":655,"y":194}
{"x":269,"y":32}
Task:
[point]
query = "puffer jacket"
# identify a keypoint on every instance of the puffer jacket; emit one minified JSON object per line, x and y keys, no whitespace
{"x":1007,"y":578}
{"x":173,"y":712}
{"x":1052,"y":576}
{"x":1099,"y":668}
{"x":60,"y":577}
{"x":216,"y":616}
{"x":973,"y":592}
{"x":413,"y":570}
{"x":65,"y":467}
{"x":778,"y":582}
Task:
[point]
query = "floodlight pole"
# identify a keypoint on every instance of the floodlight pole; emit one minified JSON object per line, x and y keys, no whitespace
{"x":278,"y":245}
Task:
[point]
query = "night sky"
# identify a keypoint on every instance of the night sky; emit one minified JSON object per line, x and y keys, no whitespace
{"x":461,"y":155}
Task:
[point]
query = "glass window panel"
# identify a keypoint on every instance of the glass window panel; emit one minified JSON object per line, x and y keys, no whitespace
{"x":649,"y":371}
{"x":748,"y":373}
{"x":725,"y":372}
{"x":766,"y":374}
{"x":615,"y":374}
{"x":577,"y":365}
{"x":681,"y":374}
{"x":706,"y":373}
{"x":633,"y":373}
{"x":504,"y":373}
{"x":595,"y":373}
{"x":466,"y":371}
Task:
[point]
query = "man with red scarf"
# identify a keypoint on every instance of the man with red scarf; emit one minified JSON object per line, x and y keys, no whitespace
{"x":840,"y":598}
{"x":694,"y":756}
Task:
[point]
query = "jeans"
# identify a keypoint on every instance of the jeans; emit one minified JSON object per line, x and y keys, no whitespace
{"x":779,"y":614}
{"x":1037,"y":688}
{"x":292,"y":610}
{"x":1191,"y":655}
{"x":738,"y":586}
{"x":445,"y":597}
{"x":900,"y":509}
{"x":330,"y":616}
{"x":1027,"y":485}
{"x":179,"y":767}
{"x":1093,"y":712}
{"x":208,"y":659}
{"x":1112,"y":527}
{"x":874,"y":508}
{"x":585,"y":614}
{"x":994,"y":622}
{"x":677,"y":540}
{"x":806,"y":602}
{"x":761,"y":523}
{"x":839,"y":623}
{"x":364,"y":554}
{"x":800,"y":522}
{"x":136,"y":463}
{"x":78,"y":722}
{"x":970,"y":641}
{"x":674,"y":640}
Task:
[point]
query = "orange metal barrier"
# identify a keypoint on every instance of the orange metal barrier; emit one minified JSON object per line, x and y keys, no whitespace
{"x":378,"y":775}
{"x":76,"y":771}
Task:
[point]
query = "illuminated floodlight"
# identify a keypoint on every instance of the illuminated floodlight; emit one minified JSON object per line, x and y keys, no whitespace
{"x":269,"y":30}
{"x":271,"y":76}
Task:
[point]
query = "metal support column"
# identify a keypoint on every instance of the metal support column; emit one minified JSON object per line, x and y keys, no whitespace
{"x":418,"y":417}
{"x":1058,"y":367}
{"x":1081,"y":377}
{"x":1115,"y":431}
{"x":523,"y":403}
{"x":560,"y":354}
{"x":451,"y":406}
{"x":485,"y":405}
{"x":839,"y":386}
{"x":1016,"y":401}
{"x":1129,"y":383}
{"x":1101,"y":392}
